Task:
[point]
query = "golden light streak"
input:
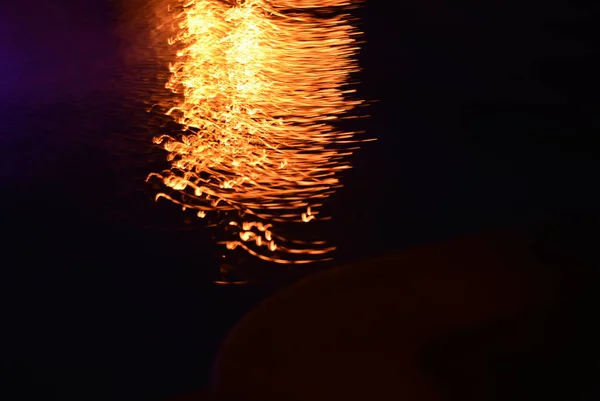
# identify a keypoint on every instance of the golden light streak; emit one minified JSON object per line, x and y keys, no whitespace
{"x":260,"y":85}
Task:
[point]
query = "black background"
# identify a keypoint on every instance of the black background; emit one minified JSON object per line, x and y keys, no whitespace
{"x":485,"y":118}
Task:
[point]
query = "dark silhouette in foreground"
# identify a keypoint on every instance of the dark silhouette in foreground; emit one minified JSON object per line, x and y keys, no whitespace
{"x":492,"y":317}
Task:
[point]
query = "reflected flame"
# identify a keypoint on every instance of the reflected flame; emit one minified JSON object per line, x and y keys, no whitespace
{"x":260,"y":84}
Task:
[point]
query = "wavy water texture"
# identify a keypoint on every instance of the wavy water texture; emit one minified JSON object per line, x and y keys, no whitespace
{"x":260,"y":86}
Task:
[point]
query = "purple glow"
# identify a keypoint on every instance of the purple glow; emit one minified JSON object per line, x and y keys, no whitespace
{"x":54,"y":51}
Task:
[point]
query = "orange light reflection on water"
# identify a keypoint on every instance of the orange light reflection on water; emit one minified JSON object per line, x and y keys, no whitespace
{"x":260,"y":84}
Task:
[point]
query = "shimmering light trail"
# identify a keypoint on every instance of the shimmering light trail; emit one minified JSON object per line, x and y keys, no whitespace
{"x":260,"y":85}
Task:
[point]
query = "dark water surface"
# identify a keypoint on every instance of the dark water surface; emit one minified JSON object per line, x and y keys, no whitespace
{"x":485,"y":119}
